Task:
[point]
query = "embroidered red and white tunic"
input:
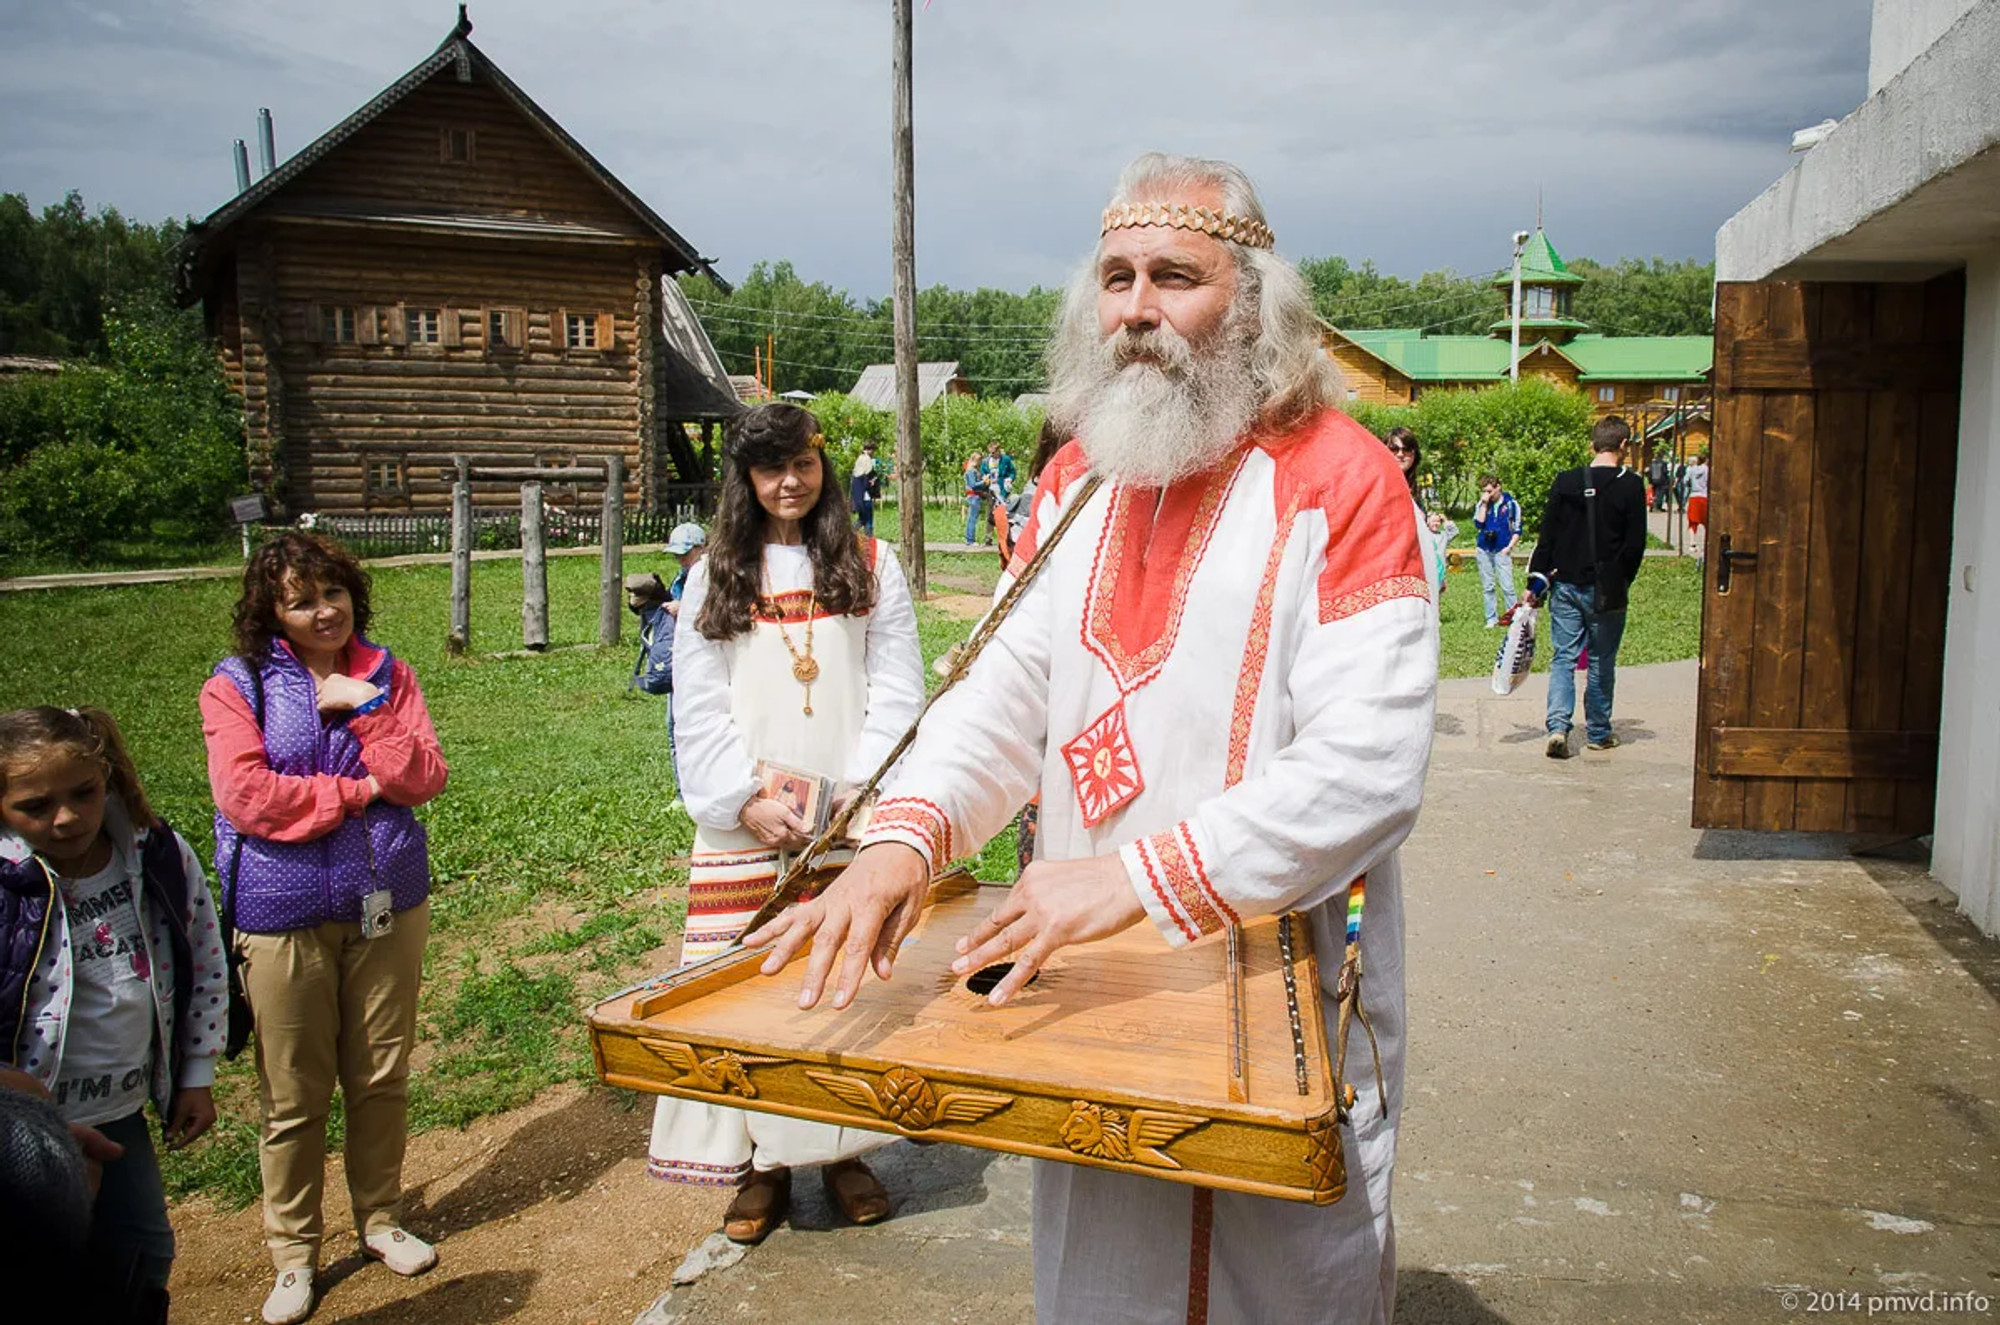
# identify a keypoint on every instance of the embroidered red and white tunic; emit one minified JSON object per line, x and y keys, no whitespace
{"x":1229,"y":683}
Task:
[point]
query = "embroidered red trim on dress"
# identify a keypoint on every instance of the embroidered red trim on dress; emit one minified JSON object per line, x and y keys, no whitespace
{"x":791,"y":607}
{"x":729,"y":895}
{"x":1166,"y":846}
{"x":915,"y":815}
{"x":1373,"y":595}
{"x":733,"y":859}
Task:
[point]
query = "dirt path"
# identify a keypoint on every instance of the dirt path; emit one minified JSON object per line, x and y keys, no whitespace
{"x":541,"y":1215}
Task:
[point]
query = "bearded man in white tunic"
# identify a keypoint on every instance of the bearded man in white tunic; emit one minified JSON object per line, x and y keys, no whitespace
{"x":1222,"y":684}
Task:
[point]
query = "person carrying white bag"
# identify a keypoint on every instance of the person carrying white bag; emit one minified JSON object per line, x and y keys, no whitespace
{"x":1516,"y":657}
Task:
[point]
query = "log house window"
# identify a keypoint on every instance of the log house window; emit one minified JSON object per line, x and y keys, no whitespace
{"x":422,"y":326}
{"x":339,"y":325}
{"x":1607,"y":395}
{"x":506,"y":329}
{"x":458,"y":146}
{"x":584,"y":331}
{"x":385,"y":477}
{"x":1671,"y":393}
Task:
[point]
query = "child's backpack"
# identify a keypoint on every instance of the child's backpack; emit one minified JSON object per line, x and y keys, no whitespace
{"x":654,"y":671}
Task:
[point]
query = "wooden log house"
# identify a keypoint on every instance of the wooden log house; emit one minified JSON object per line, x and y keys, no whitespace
{"x":447,"y":272}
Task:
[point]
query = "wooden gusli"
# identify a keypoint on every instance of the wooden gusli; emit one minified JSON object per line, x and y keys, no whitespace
{"x":1204,"y":1065}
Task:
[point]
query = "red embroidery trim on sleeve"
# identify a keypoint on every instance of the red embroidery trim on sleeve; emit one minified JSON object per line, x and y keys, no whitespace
{"x":913,"y":814}
{"x":1146,"y":857}
{"x":1165,"y":846}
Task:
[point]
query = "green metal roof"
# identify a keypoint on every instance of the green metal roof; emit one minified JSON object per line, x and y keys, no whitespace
{"x":1641,"y":358}
{"x":1540,"y":265}
{"x":1434,"y":358}
{"x":1424,"y":358}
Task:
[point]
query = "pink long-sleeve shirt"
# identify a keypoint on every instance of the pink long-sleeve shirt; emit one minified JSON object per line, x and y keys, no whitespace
{"x":398,"y":744}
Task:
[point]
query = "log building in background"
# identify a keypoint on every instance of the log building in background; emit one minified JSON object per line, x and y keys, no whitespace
{"x":447,"y":272}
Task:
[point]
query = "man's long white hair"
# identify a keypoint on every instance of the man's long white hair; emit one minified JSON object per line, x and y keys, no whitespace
{"x":1150,"y":408}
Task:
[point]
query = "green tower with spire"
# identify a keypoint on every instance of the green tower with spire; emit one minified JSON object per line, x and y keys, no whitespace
{"x":1546,"y":289}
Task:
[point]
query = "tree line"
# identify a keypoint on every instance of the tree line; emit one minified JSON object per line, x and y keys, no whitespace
{"x":819,"y":337}
{"x":137,"y":438}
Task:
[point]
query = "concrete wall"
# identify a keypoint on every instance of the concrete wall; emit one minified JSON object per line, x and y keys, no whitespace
{"x":1965,"y":853}
{"x":1901,"y":30}
{"x":1903,"y":189}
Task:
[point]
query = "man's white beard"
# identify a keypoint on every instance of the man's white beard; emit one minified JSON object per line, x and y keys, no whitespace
{"x":1150,"y":421}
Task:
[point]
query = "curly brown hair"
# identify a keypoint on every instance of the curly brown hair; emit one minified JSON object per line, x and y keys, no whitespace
{"x":312,"y":560}
{"x":772,"y":435}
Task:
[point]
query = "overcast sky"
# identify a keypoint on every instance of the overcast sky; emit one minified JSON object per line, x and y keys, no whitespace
{"x":1413,"y":132}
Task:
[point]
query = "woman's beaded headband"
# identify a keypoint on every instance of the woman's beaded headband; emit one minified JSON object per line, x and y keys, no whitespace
{"x":1222,"y":225}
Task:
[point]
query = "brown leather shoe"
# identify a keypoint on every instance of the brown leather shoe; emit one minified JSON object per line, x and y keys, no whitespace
{"x":760,"y":1203}
{"x":852,"y":1187}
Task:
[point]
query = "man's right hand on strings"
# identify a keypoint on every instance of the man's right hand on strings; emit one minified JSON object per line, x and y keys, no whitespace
{"x":861,"y":918}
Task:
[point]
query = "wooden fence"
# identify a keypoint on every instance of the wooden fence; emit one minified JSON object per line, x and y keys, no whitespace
{"x":386,"y":535}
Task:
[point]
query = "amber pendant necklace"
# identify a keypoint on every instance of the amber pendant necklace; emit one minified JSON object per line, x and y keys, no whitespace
{"x":805,"y":668}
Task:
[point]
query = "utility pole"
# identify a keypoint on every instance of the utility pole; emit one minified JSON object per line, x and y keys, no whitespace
{"x":1514,"y":342}
{"x":909,"y":438}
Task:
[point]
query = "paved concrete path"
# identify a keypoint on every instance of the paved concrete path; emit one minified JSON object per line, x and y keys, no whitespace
{"x":1656,"y":1074}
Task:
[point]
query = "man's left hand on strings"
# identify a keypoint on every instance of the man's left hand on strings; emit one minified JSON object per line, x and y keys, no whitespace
{"x":1055,"y":904}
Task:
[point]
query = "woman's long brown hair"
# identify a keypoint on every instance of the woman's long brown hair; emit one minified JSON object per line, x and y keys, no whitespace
{"x":87,"y":732}
{"x":773,"y":435}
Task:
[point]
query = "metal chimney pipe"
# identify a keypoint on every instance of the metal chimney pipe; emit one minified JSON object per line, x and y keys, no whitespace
{"x":242,"y":166}
{"x":267,"y":147}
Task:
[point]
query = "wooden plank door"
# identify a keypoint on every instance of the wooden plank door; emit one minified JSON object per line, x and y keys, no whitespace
{"x":1829,"y":544}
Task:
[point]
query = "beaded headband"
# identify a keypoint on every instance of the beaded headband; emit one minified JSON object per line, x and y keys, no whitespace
{"x":1222,"y":225}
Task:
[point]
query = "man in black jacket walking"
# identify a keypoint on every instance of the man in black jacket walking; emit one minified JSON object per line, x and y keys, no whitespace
{"x":1593,"y":541}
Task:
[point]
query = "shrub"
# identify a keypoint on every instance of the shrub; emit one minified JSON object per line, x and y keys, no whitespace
{"x":68,"y":496}
{"x":97,"y":452}
{"x":952,"y":427}
{"x":1527,"y":434}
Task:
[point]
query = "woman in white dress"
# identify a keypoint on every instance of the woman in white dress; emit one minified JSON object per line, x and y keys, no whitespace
{"x":797,"y":645}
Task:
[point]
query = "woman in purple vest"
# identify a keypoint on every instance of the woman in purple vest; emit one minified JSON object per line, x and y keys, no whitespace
{"x":319,"y":744}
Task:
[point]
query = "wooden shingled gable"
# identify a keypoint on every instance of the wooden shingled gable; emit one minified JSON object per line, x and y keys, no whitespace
{"x":195,"y":263}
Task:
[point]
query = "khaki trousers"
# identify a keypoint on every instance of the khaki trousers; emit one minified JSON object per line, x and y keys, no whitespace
{"x":332,"y":1006}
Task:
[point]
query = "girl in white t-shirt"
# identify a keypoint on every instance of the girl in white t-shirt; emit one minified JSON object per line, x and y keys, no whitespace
{"x":124,"y":995}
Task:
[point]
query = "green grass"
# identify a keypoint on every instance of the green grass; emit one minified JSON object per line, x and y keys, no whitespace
{"x":942,"y":524}
{"x":551,"y":846}
{"x":162,"y":549}
{"x":562,"y":800}
{"x":1662,"y":624}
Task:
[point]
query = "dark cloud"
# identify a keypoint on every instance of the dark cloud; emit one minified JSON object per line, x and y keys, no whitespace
{"x":1417,"y":134}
